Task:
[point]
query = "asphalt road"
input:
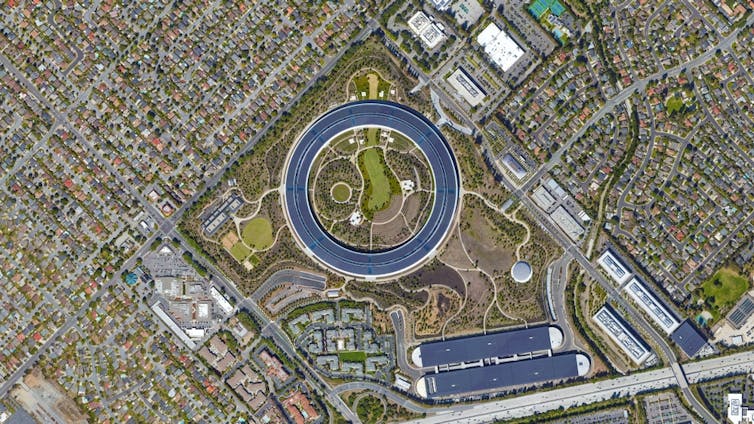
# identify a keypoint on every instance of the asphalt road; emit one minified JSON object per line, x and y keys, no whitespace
{"x":293,"y":276}
{"x":399,"y":323}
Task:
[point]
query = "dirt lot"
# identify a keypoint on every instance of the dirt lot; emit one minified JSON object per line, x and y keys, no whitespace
{"x":388,"y":214}
{"x":390,"y":233}
{"x":44,"y":399}
{"x":229,"y":240}
{"x":488,"y":257}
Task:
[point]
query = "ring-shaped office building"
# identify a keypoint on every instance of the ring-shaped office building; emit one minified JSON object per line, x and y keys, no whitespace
{"x":318,"y":242}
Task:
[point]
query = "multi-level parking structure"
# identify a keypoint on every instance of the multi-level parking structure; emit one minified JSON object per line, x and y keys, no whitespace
{"x":348,"y":260}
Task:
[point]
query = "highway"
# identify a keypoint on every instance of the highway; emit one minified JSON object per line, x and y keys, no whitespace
{"x":318,"y":243}
{"x":525,"y":405}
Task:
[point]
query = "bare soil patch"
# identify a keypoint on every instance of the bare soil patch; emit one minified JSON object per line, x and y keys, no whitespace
{"x":490,"y":238}
{"x":411,"y":205}
{"x":391,"y":233}
{"x":391,"y":212}
{"x":45,"y":398}
{"x":435,"y":274}
{"x":229,"y":240}
{"x":454,"y":254}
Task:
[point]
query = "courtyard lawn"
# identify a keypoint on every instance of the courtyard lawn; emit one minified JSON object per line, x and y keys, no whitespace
{"x":258,"y":233}
{"x":341,"y":192}
{"x":373,"y":136}
{"x":380,"y":183}
{"x":355,"y":356}
{"x":239,"y":251}
{"x":722,"y":291}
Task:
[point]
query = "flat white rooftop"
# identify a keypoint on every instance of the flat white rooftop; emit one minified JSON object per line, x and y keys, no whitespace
{"x":567,"y":223}
{"x":426,"y":30}
{"x":501,"y":48}
{"x":611,"y":324}
{"x":466,"y":87}
{"x":652,"y":305}
{"x":614,"y":267}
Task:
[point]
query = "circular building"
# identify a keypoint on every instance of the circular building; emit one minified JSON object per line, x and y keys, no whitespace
{"x":322,"y":246}
{"x":521,"y":272}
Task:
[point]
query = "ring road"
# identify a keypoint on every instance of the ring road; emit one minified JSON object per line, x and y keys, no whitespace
{"x":322,"y":246}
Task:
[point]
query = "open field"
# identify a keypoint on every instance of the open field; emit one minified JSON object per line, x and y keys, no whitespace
{"x":239,"y":251}
{"x":721,"y":292}
{"x":369,"y":85}
{"x":480,"y":294}
{"x":435,"y":274}
{"x":489,"y":238}
{"x":258,"y":233}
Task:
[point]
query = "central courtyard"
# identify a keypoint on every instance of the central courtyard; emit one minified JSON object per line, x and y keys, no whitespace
{"x":371,"y":188}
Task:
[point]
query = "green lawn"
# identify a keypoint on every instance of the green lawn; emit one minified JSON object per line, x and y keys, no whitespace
{"x":258,"y":233}
{"x":371,"y":87}
{"x":239,"y":251}
{"x":341,"y":144}
{"x":674,"y":104}
{"x":373,"y":136}
{"x":380,"y":183}
{"x":355,"y":356}
{"x":362,"y":86}
{"x":341,"y":192}
{"x":722,"y":291}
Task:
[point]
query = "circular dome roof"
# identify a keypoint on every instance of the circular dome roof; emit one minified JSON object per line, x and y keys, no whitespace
{"x":521,"y":272}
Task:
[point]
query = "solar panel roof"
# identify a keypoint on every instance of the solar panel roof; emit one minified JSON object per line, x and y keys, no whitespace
{"x":502,"y":375}
{"x":741,"y":312}
{"x":467,"y":349}
{"x":688,"y":338}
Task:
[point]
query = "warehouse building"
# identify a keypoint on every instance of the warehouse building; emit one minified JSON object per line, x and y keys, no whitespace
{"x":499,"y":46}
